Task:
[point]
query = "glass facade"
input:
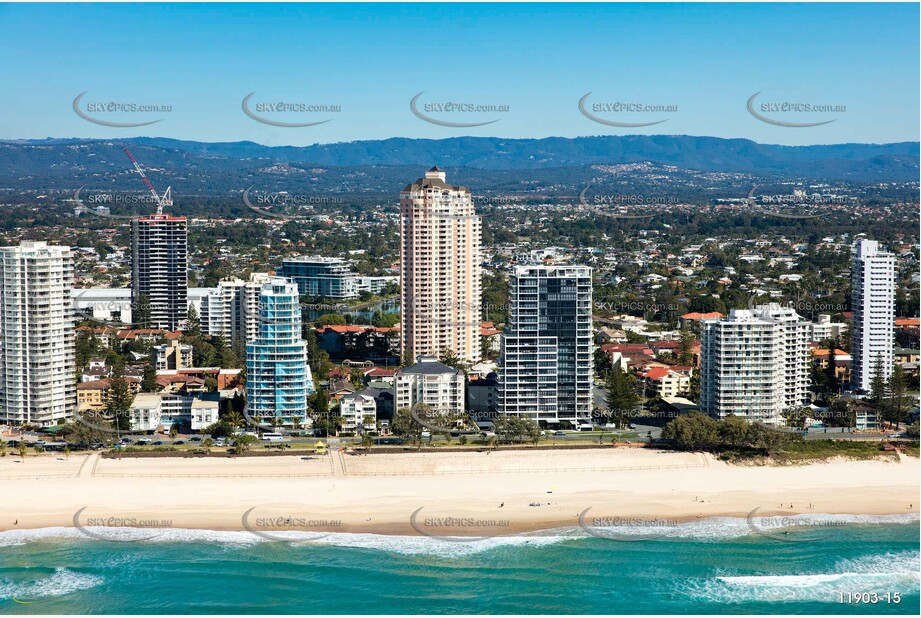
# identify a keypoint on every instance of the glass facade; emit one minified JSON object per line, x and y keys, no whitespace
{"x":278,"y":378}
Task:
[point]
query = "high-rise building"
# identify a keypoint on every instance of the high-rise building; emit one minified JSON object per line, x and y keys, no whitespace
{"x":278,"y":377}
{"x":321,"y":276}
{"x":159,"y":271}
{"x":37,"y":370}
{"x":440,"y":269}
{"x":547,"y":356}
{"x":755,"y":363}
{"x":231,"y":310}
{"x":873,"y":303}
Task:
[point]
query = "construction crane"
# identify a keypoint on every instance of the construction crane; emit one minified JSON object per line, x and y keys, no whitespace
{"x":162,"y":200}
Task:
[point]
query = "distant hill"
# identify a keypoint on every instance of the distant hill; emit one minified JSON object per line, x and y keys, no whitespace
{"x":854,"y":162}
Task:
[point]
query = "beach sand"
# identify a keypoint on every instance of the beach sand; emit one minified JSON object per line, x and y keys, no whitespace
{"x":467,"y":493}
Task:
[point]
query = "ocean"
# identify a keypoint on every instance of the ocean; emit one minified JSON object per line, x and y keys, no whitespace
{"x":716,"y":566}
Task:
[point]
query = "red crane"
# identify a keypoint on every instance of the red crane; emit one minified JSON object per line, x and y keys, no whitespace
{"x":166,"y":199}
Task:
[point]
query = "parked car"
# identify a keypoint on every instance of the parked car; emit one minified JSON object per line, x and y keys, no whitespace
{"x":178,"y":442}
{"x":195,"y":439}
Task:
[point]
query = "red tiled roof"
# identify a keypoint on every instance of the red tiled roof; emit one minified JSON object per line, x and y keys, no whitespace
{"x":702,"y":316}
{"x":657,"y":373}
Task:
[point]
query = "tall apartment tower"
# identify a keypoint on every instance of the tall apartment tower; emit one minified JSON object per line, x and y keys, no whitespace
{"x":754,"y":363}
{"x":873,"y":303}
{"x":440,"y":269}
{"x":231,"y":310}
{"x":278,"y":377}
{"x":37,"y":370}
{"x":547,"y":356}
{"x":159,"y":270}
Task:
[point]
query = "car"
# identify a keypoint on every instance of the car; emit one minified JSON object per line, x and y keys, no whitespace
{"x":220,"y":442}
{"x":157,"y":442}
{"x":195,"y":439}
{"x":119,"y":446}
{"x":559,"y":434}
{"x":143,"y":441}
{"x":178,"y":442}
{"x":126,"y":440}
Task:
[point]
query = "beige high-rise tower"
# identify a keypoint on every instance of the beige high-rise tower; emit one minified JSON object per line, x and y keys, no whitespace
{"x":440,"y":269}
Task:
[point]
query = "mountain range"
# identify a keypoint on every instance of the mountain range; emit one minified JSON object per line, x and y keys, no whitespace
{"x":858,"y":162}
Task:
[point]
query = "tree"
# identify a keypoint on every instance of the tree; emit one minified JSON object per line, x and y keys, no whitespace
{"x":149,"y":380}
{"x":831,"y":375}
{"x":406,"y":359}
{"x":406,"y":426}
{"x":733,"y":431}
{"x":385,"y":320}
{"x":896,"y":390}
{"x":236,"y":420}
{"x":451,"y":359}
{"x":620,"y":396}
{"x":685,"y":347}
{"x":878,"y":383}
{"x":602,"y":362}
{"x":516,"y":429}
{"x":193,"y":323}
{"x":331,"y":319}
{"x":119,"y":397}
{"x":692,"y":432}
{"x":141,"y":313}
{"x":242,"y":442}
{"x":767,"y":439}
{"x":796,"y":417}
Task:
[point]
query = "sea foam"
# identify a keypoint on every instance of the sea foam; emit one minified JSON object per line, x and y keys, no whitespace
{"x":882,"y":573}
{"x":62,"y":581}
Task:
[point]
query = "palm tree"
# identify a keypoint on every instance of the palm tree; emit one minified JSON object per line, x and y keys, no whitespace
{"x":236,"y":420}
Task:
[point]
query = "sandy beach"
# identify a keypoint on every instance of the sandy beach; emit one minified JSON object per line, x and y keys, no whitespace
{"x":502,"y":492}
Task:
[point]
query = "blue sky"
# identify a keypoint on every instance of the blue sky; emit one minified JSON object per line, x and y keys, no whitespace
{"x":538,"y":59}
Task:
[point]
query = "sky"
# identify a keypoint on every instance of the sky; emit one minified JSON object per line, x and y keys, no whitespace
{"x":698,"y":64}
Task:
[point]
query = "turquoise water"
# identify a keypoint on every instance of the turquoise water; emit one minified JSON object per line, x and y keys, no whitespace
{"x":713,"y":568}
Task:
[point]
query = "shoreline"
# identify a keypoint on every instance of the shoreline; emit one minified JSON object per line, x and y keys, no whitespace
{"x":444,"y":494}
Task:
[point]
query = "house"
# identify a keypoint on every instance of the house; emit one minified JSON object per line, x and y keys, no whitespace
{"x":691,"y":321}
{"x":490,"y":335}
{"x":376,"y":374}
